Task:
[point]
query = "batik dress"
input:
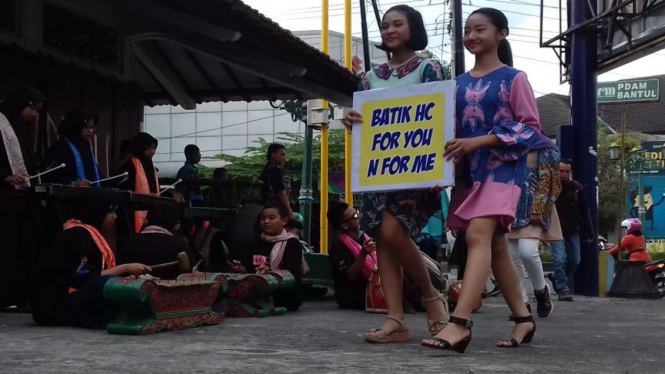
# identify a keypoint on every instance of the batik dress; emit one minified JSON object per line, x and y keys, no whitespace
{"x":500,"y":103}
{"x":412,"y":208}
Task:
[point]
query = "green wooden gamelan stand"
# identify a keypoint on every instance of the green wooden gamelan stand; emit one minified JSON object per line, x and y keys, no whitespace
{"x":149,"y":306}
{"x":249,"y":294}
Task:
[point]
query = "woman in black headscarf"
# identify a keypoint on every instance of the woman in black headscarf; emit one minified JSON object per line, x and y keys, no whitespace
{"x":71,"y":290}
{"x":141,"y":173}
{"x":144,"y":147}
{"x":73,"y":148}
{"x":17,"y":161}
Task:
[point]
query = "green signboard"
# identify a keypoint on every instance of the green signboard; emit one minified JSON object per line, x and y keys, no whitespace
{"x":629,"y":91}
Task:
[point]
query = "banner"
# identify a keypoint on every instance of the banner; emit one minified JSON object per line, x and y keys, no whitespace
{"x":401,"y":141}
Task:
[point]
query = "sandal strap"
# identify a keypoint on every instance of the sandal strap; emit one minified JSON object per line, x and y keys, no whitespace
{"x":461,"y":321}
{"x":519,"y":320}
{"x":433,"y":299}
{"x":399,"y":321}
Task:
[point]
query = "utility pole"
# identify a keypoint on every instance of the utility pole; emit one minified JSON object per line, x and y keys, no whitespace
{"x":457,"y":35}
{"x":584,"y":108}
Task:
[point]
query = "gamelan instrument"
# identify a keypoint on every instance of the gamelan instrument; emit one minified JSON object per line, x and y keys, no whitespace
{"x":152,"y":305}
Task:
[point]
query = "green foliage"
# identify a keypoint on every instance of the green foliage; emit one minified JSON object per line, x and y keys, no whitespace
{"x":252,"y":162}
{"x":609,"y":176}
{"x":546,"y":257}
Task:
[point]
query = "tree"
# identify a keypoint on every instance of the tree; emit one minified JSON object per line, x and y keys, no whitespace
{"x":609,"y":177}
{"x":253,"y":161}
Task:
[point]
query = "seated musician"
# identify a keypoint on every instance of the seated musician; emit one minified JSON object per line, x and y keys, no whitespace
{"x":352,"y":257}
{"x":142,"y":174}
{"x":192,"y":193}
{"x":71,"y":291}
{"x":279,"y":250}
{"x":157,"y":243}
{"x":295,"y":227}
{"x":74,"y":149}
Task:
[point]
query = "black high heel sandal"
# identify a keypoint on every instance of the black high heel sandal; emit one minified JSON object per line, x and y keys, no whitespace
{"x":458,"y":347}
{"x":527,"y":338}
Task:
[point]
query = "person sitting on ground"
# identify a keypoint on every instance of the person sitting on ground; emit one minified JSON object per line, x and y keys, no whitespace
{"x":278,"y":250}
{"x":352,"y":257}
{"x":74,"y":149}
{"x":633,"y":242}
{"x":189,"y":172}
{"x":73,"y":278}
{"x":295,"y":227}
{"x":157,"y":243}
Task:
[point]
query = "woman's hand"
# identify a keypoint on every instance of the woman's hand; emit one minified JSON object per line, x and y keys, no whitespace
{"x":262,"y":269}
{"x":436,"y":189}
{"x":81,"y":183}
{"x":369,"y":246}
{"x":133,"y":269}
{"x":351,"y":118}
{"x":16,"y":179}
{"x":457,"y":148}
{"x":356,"y":65}
{"x":236,"y":267}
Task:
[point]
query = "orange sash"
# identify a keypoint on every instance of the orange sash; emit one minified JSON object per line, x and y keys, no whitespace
{"x":142,"y":187}
{"x":108,"y":258}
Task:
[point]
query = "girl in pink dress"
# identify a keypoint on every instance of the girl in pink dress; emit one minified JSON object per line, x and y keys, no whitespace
{"x":497,"y":125}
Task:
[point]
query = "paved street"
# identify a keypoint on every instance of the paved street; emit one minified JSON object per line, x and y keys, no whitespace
{"x":587,"y":336}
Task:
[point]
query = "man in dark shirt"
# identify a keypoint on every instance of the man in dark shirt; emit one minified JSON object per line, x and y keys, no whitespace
{"x":576,"y":226}
{"x":189,"y":172}
{"x":274,"y":187}
{"x":350,"y":266}
{"x":156,"y":244}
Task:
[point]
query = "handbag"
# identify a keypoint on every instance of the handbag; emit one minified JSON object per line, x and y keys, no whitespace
{"x":375,"y":301}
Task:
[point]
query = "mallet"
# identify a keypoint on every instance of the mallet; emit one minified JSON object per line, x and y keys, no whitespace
{"x":182,"y":263}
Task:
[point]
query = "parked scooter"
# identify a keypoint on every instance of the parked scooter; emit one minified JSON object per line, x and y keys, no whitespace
{"x":656,"y":271}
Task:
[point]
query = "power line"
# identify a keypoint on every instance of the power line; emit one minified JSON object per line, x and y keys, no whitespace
{"x":219,"y":128}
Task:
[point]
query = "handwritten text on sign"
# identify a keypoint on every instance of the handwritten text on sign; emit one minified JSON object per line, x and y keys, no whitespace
{"x":400,"y":144}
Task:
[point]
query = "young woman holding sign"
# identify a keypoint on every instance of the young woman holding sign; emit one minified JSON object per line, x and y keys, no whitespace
{"x":394,"y":218}
{"x":497,"y":125}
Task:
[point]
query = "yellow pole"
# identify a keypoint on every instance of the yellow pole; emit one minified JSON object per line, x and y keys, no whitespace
{"x":324,"y":142}
{"x":347,"y":136}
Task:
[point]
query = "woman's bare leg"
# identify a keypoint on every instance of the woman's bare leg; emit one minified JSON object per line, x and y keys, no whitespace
{"x":408,"y":256}
{"x":506,"y":277}
{"x":479,"y":241}
{"x":390,"y":272}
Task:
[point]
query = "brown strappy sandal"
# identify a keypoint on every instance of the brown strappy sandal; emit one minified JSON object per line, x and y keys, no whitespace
{"x":380,"y":335}
{"x":442,"y":321}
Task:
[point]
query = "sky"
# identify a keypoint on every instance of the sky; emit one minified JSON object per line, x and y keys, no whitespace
{"x":540,"y":64}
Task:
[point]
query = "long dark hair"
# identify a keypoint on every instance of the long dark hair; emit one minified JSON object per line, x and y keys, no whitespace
{"x":418,"y":40}
{"x":499,"y":20}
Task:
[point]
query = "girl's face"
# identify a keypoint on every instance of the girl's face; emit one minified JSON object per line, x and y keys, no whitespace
{"x":395,"y":30}
{"x":481,"y":36}
{"x":88,"y":131}
{"x":272,"y":223}
{"x":149,"y":153}
{"x":29,"y":113}
{"x":109,"y":220}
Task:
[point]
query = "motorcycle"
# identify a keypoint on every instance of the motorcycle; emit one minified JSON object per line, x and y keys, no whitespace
{"x":656,"y":271}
